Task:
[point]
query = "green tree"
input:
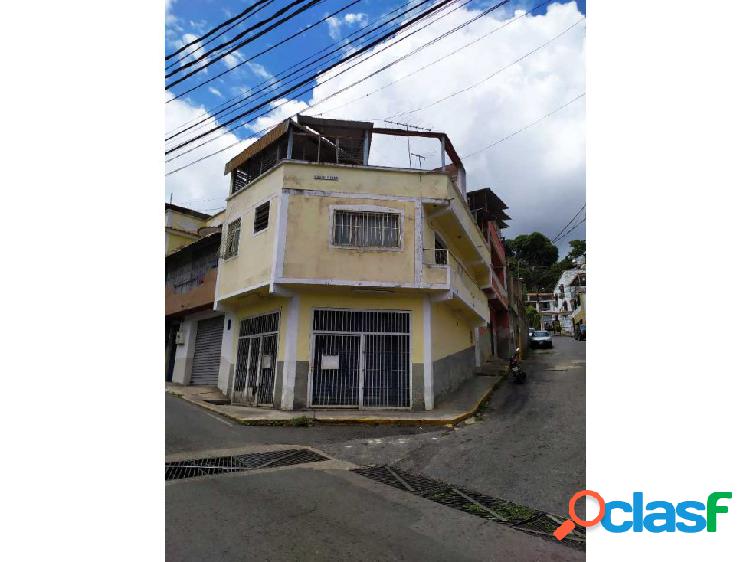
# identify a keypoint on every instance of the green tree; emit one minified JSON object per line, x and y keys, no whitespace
{"x":533,"y":257}
{"x":577,"y":249}
{"x":533,"y":317}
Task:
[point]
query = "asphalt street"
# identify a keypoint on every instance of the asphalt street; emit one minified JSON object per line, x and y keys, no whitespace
{"x":528,"y":446}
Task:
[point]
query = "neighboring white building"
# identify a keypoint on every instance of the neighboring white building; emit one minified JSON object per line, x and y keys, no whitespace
{"x":571,"y":283}
{"x":544,"y":304}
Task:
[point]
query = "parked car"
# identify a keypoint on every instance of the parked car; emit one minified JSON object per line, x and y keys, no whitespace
{"x":541,"y":339}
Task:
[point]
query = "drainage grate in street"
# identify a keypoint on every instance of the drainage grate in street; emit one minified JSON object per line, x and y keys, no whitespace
{"x":220,"y":465}
{"x":495,"y":509}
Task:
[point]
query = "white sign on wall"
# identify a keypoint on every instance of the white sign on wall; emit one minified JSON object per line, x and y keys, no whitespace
{"x":329,"y":362}
{"x":265,"y":362}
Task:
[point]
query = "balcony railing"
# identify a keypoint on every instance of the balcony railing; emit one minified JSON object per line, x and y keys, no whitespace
{"x":442,"y":267}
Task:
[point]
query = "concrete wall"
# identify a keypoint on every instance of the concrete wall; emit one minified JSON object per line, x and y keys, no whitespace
{"x":354,"y":179}
{"x":453,"y":353}
{"x":451,"y":371}
{"x":252,"y":265}
{"x":309,"y":233}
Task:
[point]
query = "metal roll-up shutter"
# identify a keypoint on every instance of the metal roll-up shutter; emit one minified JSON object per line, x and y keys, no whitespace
{"x":207,"y":351}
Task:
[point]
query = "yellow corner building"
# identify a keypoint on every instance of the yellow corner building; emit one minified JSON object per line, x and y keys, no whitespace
{"x":346,"y":284}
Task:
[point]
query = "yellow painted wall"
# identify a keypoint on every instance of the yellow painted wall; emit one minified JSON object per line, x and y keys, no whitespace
{"x":188,"y":223}
{"x":216,"y":220}
{"x":353,"y":301}
{"x":450,"y":331}
{"x":175,"y":240}
{"x":300,"y":175}
{"x":309,"y":253}
{"x":253,"y":262}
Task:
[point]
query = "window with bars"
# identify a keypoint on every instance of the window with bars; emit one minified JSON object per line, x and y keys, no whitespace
{"x":366,"y":229}
{"x":261,"y":216}
{"x":232,"y":241}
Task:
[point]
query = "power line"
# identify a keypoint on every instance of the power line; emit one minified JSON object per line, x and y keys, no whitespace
{"x":218,"y":27}
{"x":381,"y":69}
{"x":344,"y":42}
{"x":414,"y":51}
{"x":323,"y":71}
{"x":286,"y":79}
{"x":286,"y":74}
{"x":202,"y":45}
{"x":514,"y":133}
{"x":571,"y":229}
{"x":270,"y":109}
{"x":426,"y":66}
{"x":557,"y":236}
{"x":486,"y":78}
{"x":239,"y":45}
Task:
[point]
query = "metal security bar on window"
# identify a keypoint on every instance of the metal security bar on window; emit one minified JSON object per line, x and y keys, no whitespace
{"x":361,"y":358}
{"x":232,"y":242}
{"x":366,"y":229}
{"x":256,"y":166}
{"x":261,"y":216}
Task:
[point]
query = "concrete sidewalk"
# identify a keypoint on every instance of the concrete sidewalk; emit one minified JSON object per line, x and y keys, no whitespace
{"x":462,"y":404}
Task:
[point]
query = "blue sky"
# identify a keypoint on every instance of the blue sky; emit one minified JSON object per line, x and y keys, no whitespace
{"x":198,"y":16}
{"x":540,"y":173}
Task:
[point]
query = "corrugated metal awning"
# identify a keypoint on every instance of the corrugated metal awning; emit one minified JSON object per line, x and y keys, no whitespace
{"x":270,"y":137}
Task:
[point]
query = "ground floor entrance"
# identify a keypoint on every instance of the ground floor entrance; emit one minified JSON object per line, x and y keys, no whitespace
{"x":256,"y":361}
{"x":360,"y":359}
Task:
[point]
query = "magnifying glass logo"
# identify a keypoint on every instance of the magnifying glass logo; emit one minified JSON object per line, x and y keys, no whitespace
{"x":569,"y":524}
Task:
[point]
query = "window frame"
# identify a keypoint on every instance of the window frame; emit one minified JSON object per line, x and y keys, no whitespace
{"x":224,"y":248}
{"x":268,"y":219}
{"x":365,"y":209}
{"x":437,"y":237}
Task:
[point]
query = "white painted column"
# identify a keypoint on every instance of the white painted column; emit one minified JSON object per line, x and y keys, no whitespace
{"x":227,"y":351}
{"x":429,"y":391}
{"x":418,"y":241}
{"x":183,"y":356}
{"x":290,"y":354}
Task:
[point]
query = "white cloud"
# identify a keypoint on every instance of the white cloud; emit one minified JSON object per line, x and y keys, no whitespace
{"x":335,"y":25}
{"x":283,"y":108}
{"x":539,"y":173}
{"x":334,"y":28}
{"x":359,"y":18}
{"x":215,"y":92}
{"x":260,"y":71}
{"x":195,"y":51}
{"x":233,"y":59}
{"x":169,"y":18}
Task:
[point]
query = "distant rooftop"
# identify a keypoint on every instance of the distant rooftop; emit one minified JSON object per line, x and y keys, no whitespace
{"x":186,"y":211}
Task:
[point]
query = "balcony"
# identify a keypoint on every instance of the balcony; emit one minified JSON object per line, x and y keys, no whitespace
{"x":442,"y":268}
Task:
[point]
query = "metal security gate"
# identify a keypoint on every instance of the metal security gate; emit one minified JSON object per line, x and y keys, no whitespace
{"x":361,"y":359}
{"x":256,"y":361}
{"x":207,"y":355}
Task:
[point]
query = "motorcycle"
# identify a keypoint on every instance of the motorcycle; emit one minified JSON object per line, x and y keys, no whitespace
{"x":518,"y":374}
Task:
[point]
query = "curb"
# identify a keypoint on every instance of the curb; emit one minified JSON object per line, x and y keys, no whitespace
{"x":304,"y":420}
